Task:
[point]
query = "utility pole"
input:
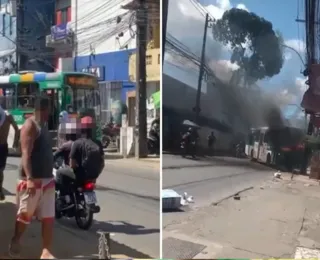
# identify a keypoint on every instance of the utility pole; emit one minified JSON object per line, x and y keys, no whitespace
{"x":197,"y":108}
{"x":141,"y":150}
{"x":19,"y":30}
{"x":165,"y":4}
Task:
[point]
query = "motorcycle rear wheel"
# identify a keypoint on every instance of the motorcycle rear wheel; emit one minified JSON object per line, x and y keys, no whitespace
{"x":86,"y":223}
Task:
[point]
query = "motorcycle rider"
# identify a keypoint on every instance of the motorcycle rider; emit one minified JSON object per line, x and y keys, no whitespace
{"x":190,"y":137}
{"x":63,"y":119}
{"x":87,"y":155}
{"x":154,"y":134}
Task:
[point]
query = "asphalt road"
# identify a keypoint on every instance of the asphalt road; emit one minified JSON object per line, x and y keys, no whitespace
{"x":129,"y":201}
{"x":210,"y":180}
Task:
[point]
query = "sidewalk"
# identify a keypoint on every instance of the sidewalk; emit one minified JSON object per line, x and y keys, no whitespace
{"x":116,"y":158}
{"x":178,"y":162}
{"x":69,"y":242}
{"x":279,"y":219}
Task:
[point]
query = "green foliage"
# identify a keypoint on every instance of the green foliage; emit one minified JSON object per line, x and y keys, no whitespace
{"x":263,"y":54}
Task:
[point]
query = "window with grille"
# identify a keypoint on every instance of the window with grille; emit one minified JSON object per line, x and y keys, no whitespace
{"x":148,"y":59}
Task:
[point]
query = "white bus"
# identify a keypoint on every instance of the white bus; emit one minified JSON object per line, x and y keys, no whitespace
{"x":275,"y":145}
{"x":258,"y":145}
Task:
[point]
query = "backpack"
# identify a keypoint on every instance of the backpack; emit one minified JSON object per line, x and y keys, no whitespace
{"x":91,"y":159}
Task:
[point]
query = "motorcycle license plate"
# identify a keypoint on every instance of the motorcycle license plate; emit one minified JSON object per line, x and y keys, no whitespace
{"x":90,"y":197}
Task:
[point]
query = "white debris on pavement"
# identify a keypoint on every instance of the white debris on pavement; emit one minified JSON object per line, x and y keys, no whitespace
{"x":277,"y":174}
{"x":186,"y":200}
{"x":306,"y":253}
{"x":173,"y":200}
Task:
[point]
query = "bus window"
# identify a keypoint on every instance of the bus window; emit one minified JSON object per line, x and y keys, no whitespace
{"x":7,"y":96}
{"x":256,"y":135}
{"x":261,"y":139}
{"x":266,"y":138}
{"x":251,"y":139}
{"x":26,"y":94}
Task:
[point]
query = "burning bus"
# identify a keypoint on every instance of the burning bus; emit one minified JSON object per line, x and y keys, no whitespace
{"x":281,"y":146}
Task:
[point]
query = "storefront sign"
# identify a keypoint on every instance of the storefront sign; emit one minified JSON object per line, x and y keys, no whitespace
{"x":98,"y":71}
{"x":59,"y":32}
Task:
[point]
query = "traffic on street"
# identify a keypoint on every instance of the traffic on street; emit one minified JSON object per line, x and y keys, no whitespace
{"x":129,"y":201}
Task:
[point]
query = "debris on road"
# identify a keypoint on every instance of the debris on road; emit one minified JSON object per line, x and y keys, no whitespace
{"x":277,"y":174}
{"x":185,"y":199}
{"x":172,"y":200}
{"x":236,"y":197}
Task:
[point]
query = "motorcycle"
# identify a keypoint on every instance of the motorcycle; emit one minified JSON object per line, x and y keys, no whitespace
{"x":188,"y":149}
{"x":109,"y":133}
{"x":153,"y":145}
{"x":80,"y":202}
{"x":239,"y":153}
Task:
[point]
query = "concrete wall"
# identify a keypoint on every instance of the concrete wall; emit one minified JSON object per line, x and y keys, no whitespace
{"x":97,"y":28}
{"x":215,"y":106}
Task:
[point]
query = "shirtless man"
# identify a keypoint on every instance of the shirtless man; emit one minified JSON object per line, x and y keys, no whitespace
{"x":6,"y":121}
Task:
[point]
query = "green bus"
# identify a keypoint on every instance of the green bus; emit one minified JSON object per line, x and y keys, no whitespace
{"x":75,"y":92}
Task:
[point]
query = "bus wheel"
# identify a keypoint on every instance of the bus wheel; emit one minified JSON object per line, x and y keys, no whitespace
{"x":268,"y":159}
{"x":251,"y":155}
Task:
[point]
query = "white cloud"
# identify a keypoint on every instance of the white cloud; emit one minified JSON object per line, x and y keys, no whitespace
{"x":301,"y":85}
{"x":296,"y":44}
{"x":186,"y":24}
{"x":242,"y":6}
{"x":291,"y":93}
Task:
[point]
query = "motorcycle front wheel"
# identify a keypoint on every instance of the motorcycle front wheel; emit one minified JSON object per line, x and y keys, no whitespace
{"x":84,"y":218}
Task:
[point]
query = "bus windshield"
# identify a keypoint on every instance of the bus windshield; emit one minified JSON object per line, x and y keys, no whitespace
{"x":86,"y":98}
{"x":84,"y":92}
{"x":7,"y":96}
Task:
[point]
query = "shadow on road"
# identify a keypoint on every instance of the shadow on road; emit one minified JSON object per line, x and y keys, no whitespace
{"x":8,"y":213}
{"x":67,"y":242}
{"x":105,"y":188}
{"x":8,"y":193}
{"x":174,"y":210}
{"x":112,"y":227}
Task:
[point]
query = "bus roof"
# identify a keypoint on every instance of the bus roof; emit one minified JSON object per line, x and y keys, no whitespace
{"x":260,"y":128}
{"x":30,"y":76}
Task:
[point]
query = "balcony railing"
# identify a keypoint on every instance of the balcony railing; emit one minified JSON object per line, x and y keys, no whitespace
{"x":153,"y":61}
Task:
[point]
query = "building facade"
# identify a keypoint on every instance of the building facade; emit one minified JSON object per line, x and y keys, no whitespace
{"x":7,"y":41}
{"x":111,"y":69}
{"x":101,"y":37}
{"x":33,"y":22}
{"x":220,"y":111}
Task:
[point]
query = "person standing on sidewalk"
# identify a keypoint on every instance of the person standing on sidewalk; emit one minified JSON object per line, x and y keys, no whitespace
{"x":36,"y":186}
{"x":211,"y":141}
{"x":6,"y":120}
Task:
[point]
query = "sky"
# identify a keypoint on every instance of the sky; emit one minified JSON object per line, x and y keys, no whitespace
{"x":186,"y":23}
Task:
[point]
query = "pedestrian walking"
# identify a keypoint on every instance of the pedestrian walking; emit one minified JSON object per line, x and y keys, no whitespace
{"x":36,"y":186}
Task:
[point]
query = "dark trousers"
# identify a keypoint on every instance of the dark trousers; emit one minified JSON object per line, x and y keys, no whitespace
{"x":64,"y":178}
{"x":4,"y":151}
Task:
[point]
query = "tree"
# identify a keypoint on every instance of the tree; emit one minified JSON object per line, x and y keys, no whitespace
{"x":256,"y":47}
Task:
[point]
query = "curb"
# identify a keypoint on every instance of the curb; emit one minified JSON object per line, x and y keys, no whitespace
{"x":188,"y":166}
